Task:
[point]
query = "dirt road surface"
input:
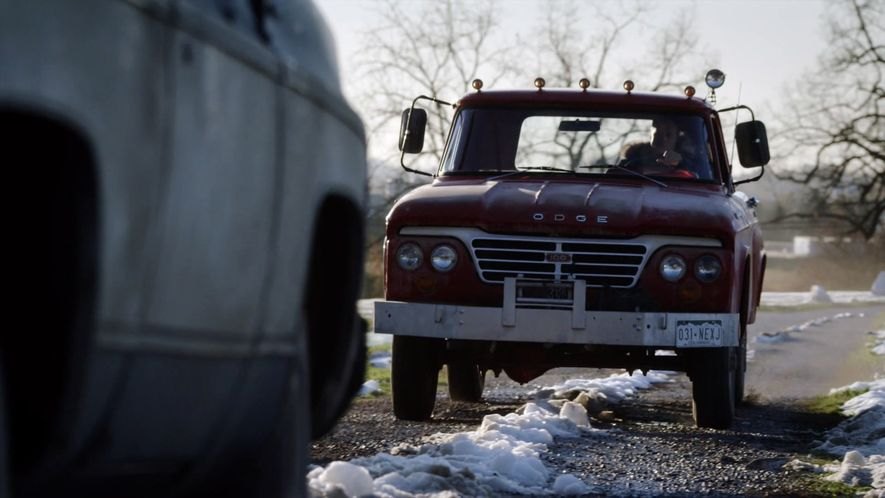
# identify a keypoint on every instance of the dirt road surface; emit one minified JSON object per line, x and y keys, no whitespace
{"x":812,"y":361}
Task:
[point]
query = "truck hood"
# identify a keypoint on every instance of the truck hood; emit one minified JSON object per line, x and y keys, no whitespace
{"x":554,"y":206}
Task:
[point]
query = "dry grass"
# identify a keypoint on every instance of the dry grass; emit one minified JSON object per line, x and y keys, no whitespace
{"x":832,"y":272}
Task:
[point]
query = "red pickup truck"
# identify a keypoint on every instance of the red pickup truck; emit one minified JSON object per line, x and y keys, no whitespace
{"x":575,"y":228}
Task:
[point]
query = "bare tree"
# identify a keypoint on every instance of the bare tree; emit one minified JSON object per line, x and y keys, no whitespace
{"x":589,"y":43}
{"x":435,"y":49}
{"x":585,"y":44}
{"x":430,"y":48}
{"x":833,"y":133}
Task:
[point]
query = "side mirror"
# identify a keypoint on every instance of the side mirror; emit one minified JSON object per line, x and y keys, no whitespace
{"x":411,"y":130}
{"x":752,"y":143}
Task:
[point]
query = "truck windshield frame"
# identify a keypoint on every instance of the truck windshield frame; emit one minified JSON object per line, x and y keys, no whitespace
{"x":496,"y":140}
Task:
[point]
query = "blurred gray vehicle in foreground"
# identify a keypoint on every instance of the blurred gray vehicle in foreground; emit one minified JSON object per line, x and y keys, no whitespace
{"x":186,"y":188}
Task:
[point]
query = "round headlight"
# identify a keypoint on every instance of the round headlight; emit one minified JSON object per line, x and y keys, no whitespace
{"x":672,"y":268}
{"x":409,"y":256}
{"x":707,"y":268}
{"x":443,"y":258}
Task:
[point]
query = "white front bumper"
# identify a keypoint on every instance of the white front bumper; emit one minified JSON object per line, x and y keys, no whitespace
{"x":555,"y":326}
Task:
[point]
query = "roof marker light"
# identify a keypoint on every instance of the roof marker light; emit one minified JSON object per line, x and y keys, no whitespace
{"x":539,"y":83}
{"x":689,"y":91}
{"x":477,"y":84}
{"x":584,"y":84}
{"x":628,"y":85}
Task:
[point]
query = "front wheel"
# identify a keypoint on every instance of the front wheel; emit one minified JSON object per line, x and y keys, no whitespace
{"x":713,"y":387}
{"x":466,"y":381}
{"x":415,"y":369}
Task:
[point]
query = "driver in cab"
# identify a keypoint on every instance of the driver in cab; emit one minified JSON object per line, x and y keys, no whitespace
{"x":658,"y":156}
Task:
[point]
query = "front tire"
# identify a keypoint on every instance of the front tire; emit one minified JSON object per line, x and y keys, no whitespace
{"x":740,"y":370}
{"x":466,"y":381}
{"x":713,"y":387}
{"x":414,"y":375}
{"x":5,"y":469}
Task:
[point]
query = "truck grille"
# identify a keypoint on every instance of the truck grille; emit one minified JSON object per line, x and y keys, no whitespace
{"x":599,"y":263}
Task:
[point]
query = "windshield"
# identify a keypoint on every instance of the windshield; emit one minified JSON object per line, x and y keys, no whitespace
{"x":512,"y":140}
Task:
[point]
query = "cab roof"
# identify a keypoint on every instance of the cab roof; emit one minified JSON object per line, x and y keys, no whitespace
{"x":591,"y":99}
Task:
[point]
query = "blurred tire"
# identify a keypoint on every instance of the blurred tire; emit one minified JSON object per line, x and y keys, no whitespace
{"x":466,"y":381}
{"x":414,"y":376}
{"x":712,"y":387}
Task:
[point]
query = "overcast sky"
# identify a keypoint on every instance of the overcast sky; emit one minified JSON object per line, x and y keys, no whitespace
{"x":762,"y":45}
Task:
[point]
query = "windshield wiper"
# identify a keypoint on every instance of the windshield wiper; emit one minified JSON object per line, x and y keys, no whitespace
{"x":620,"y":166}
{"x":546,"y":168}
{"x":527,"y":169}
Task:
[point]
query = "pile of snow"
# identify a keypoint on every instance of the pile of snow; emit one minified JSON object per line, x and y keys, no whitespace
{"x":751,"y":355}
{"x":380,"y":359}
{"x":784,"y":334}
{"x":857,"y":470}
{"x":879,"y":342}
{"x":878,"y":288}
{"x":502,"y":456}
{"x":873,"y":396}
{"x":862,"y":432}
{"x":369,"y":388}
{"x":772,"y":337}
{"x":612,"y":389}
{"x":802,"y":298}
{"x":860,"y":438}
{"x":819,"y":295}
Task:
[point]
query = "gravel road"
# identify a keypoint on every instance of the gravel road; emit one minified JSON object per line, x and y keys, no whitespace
{"x":648,"y":445}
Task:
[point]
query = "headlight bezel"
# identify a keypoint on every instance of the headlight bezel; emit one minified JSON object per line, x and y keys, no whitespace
{"x":713,"y":262}
{"x":452,"y":258}
{"x":412,"y":263}
{"x":670,"y":262}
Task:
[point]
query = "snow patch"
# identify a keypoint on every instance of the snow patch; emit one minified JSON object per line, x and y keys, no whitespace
{"x":380,"y":360}
{"x":879,"y":342}
{"x":784,"y":334}
{"x":772,"y":337}
{"x":857,"y":470}
{"x":350,"y":479}
{"x":576,"y":413}
{"x":873,"y":397}
{"x":878,"y":288}
{"x":613,"y":388}
{"x":369,"y":387}
{"x":819,"y":295}
{"x":502,"y":456}
{"x":860,"y":438}
{"x":862,"y":432}
{"x":568,"y":484}
{"x":803,"y":298}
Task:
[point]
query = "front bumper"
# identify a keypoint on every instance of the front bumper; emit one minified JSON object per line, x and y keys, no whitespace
{"x":567,"y":325}
{"x":612,"y":328}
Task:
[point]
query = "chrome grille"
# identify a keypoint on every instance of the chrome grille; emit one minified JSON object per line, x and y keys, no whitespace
{"x":599,"y":263}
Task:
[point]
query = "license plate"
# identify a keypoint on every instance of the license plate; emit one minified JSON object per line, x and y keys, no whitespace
{"x":544,"y":292}
{"x":698,"y":333}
